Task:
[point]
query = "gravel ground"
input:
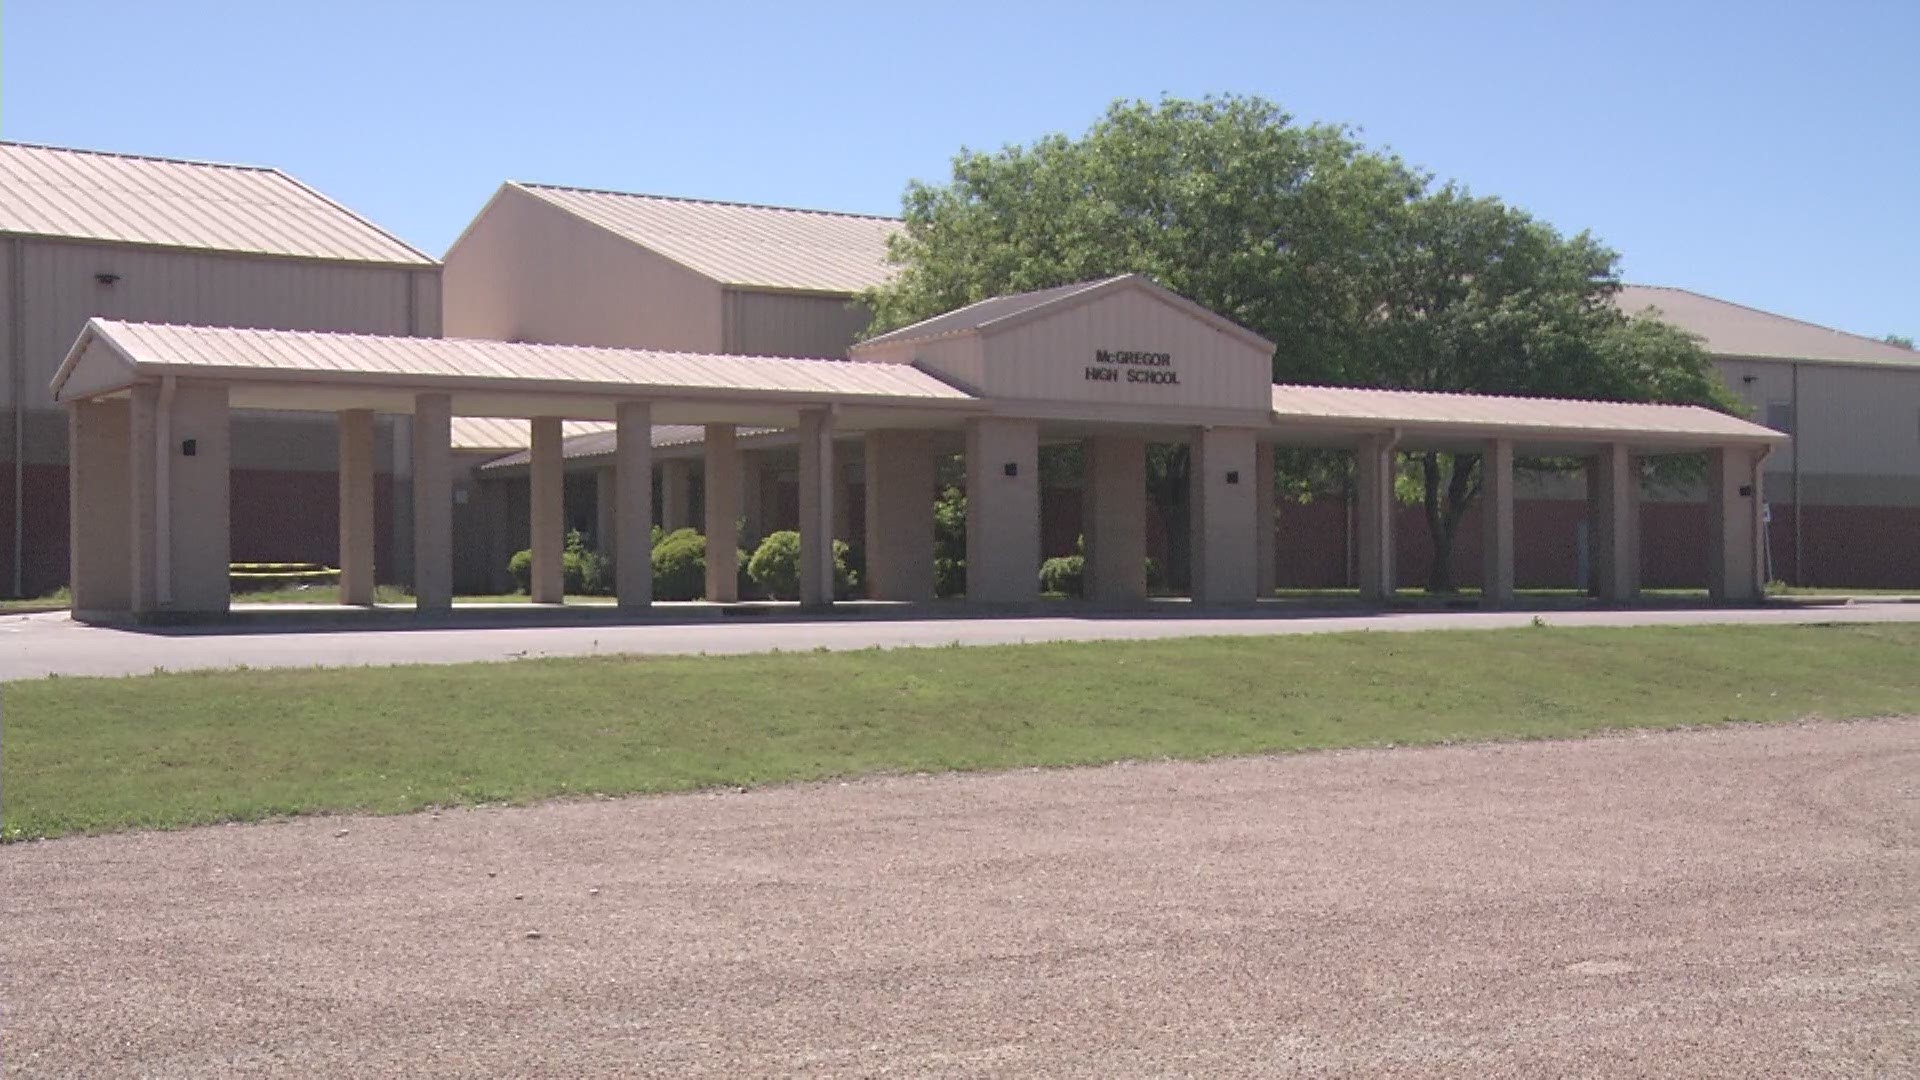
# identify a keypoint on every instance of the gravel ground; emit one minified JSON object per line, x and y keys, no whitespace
{"x":1737,"y":902}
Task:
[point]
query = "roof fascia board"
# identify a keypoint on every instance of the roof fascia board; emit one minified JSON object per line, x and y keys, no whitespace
{"x":1459,"y":428}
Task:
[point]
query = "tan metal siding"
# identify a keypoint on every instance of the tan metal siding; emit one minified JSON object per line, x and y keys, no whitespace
{"x":62,"y":293}
{"x":1853,"y":421}
{"x":786,"y":324}
{"x":527,"y":270}
{"x":1048,"y":357}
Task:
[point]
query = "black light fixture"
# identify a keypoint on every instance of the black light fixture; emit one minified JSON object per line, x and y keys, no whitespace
{"x":1233,"y":476}
{"x":1013,"y":468}
{"x":1746,"y":491}
{"x":106,"y":278}
{"x":189,"y":447}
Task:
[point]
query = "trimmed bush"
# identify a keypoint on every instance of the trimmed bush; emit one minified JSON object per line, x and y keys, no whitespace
{"x":680,"y":566}
{"x":1065,"y":575}
{"x":521,"y":567}
{"x":583,"y":571}
{"x":775,"y":567}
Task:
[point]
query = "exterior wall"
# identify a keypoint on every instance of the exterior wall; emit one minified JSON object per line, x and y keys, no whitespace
{"x":960,"y":359}
{"x":1048,"y":358}
{"x":1858,"y":429}
{"x":790,"y":324}
{"x":526,"y":270}
{"x":58,"y":289}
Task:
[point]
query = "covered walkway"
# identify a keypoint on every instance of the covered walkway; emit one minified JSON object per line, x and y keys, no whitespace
{"x":1116,"y":364}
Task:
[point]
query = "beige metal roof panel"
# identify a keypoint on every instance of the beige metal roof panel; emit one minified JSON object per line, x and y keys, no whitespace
{"x":1730,"y":329}
{"x":88,"y":195}
{"x":506,"y":434}
{"x":736,"y":244}
{"x":1491,"y":414}
{"x":603,"y":442}
{"x":241,"y":353}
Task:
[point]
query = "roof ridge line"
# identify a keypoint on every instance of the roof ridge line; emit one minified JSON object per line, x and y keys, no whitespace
{"x":1774,"y":315}
{"x":160,"y":158}
{"x":1490,"y":393}
{"x":534,"y":185}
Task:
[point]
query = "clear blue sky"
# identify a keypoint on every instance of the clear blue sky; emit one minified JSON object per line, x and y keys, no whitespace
{"x":1759,"y":151}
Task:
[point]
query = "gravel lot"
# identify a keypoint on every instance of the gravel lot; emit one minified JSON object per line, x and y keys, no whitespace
{"x":1737,"y":902}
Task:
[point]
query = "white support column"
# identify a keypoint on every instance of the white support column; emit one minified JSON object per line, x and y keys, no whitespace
{"x":901,"y":469}
{"x":1264,"y":522}
{"x":1225,"y":569}
{"x":1736,"y":571}
{"x":1496,"y":524}
{"x":1003,"y":511}
{"x":100,"y":537}
{"x":1114,"y":519}
{"x":180,"y":445}
{"x":816,"y":508}
{"x":1373,"y":516}
{"x":722,"y":509}
{"x":1616,"y":487}
{"x":547,"y":515}
{"x":433,"y":502}
{"x":676,"y":495}
{"x":356,"y":507}
{"x":633,"y":505}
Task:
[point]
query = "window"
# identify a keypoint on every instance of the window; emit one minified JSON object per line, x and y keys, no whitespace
{"x":1780,"y":416}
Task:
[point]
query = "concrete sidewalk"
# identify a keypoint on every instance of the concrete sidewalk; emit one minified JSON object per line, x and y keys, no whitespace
{"x":34,"y":646}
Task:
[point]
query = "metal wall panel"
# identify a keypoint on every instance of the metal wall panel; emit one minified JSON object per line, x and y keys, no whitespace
{"x":68,"y":283}
{"x":527,"y":270}
{"x":1851,"y":420}
{"x":792,"y":324}
{"x":1050,"y":357}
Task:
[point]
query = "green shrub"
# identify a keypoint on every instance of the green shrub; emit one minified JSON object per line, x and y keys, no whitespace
{"x":1065,"y":575}
{"x":950,"y":543}
{"x":775,"y":567}
{"x":680,"y":566}
{"x":521,"y":567}
{"x":583,"y":571}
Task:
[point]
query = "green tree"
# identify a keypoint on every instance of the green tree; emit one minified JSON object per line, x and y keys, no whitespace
{"x":1359,"y":270}
{"x":1901,"y":340}
{"x":1227,"y":201}
{"x":1481,"y":297}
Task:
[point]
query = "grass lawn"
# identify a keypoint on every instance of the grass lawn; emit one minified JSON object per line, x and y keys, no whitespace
{"x":86,"y":755}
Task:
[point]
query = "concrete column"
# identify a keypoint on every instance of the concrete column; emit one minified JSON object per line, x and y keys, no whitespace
{"x":1496,"y":524}
{"x":1003,"y":511}
{"x":1114,"y":518}
{"x":722,"y":461}
{"x":817,"y":489}
{"x":180,"y":479}
{"x":1263,"y":520}
{"x":433,"y":502}
{"x":606,"y":522}
{"x":1616,"y":487}
{"x":356,"y":507}
{"x":1373,"y":517}
{"x":547,"y":512}
{"x":1736,"y":571}
{"x":901,"y":469}
{"x":754,"y":483}
{"x":100,"y":536}
{"x":1225,"y":569}
{"x":633,"y":503}
{"x":676,"y":495}
{"x":400,"y":503}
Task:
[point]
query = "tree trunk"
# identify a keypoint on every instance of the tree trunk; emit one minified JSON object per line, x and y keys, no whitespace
{"x":1451,"y":482}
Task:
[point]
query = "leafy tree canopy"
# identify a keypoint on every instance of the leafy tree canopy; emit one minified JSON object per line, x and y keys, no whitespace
{"x":1360,"y":268}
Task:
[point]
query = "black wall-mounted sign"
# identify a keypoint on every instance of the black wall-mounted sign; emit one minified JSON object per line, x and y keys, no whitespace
{"x":1134,"y":366}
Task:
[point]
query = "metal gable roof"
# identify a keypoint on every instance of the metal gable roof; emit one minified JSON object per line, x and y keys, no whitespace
{"x":1734,"y":330}
{"x":1490,"y":414}
{"x":312,"y":356}
{"x":120,"y":198}
{"x":999,"y":312}
{"x":766,"y":247}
